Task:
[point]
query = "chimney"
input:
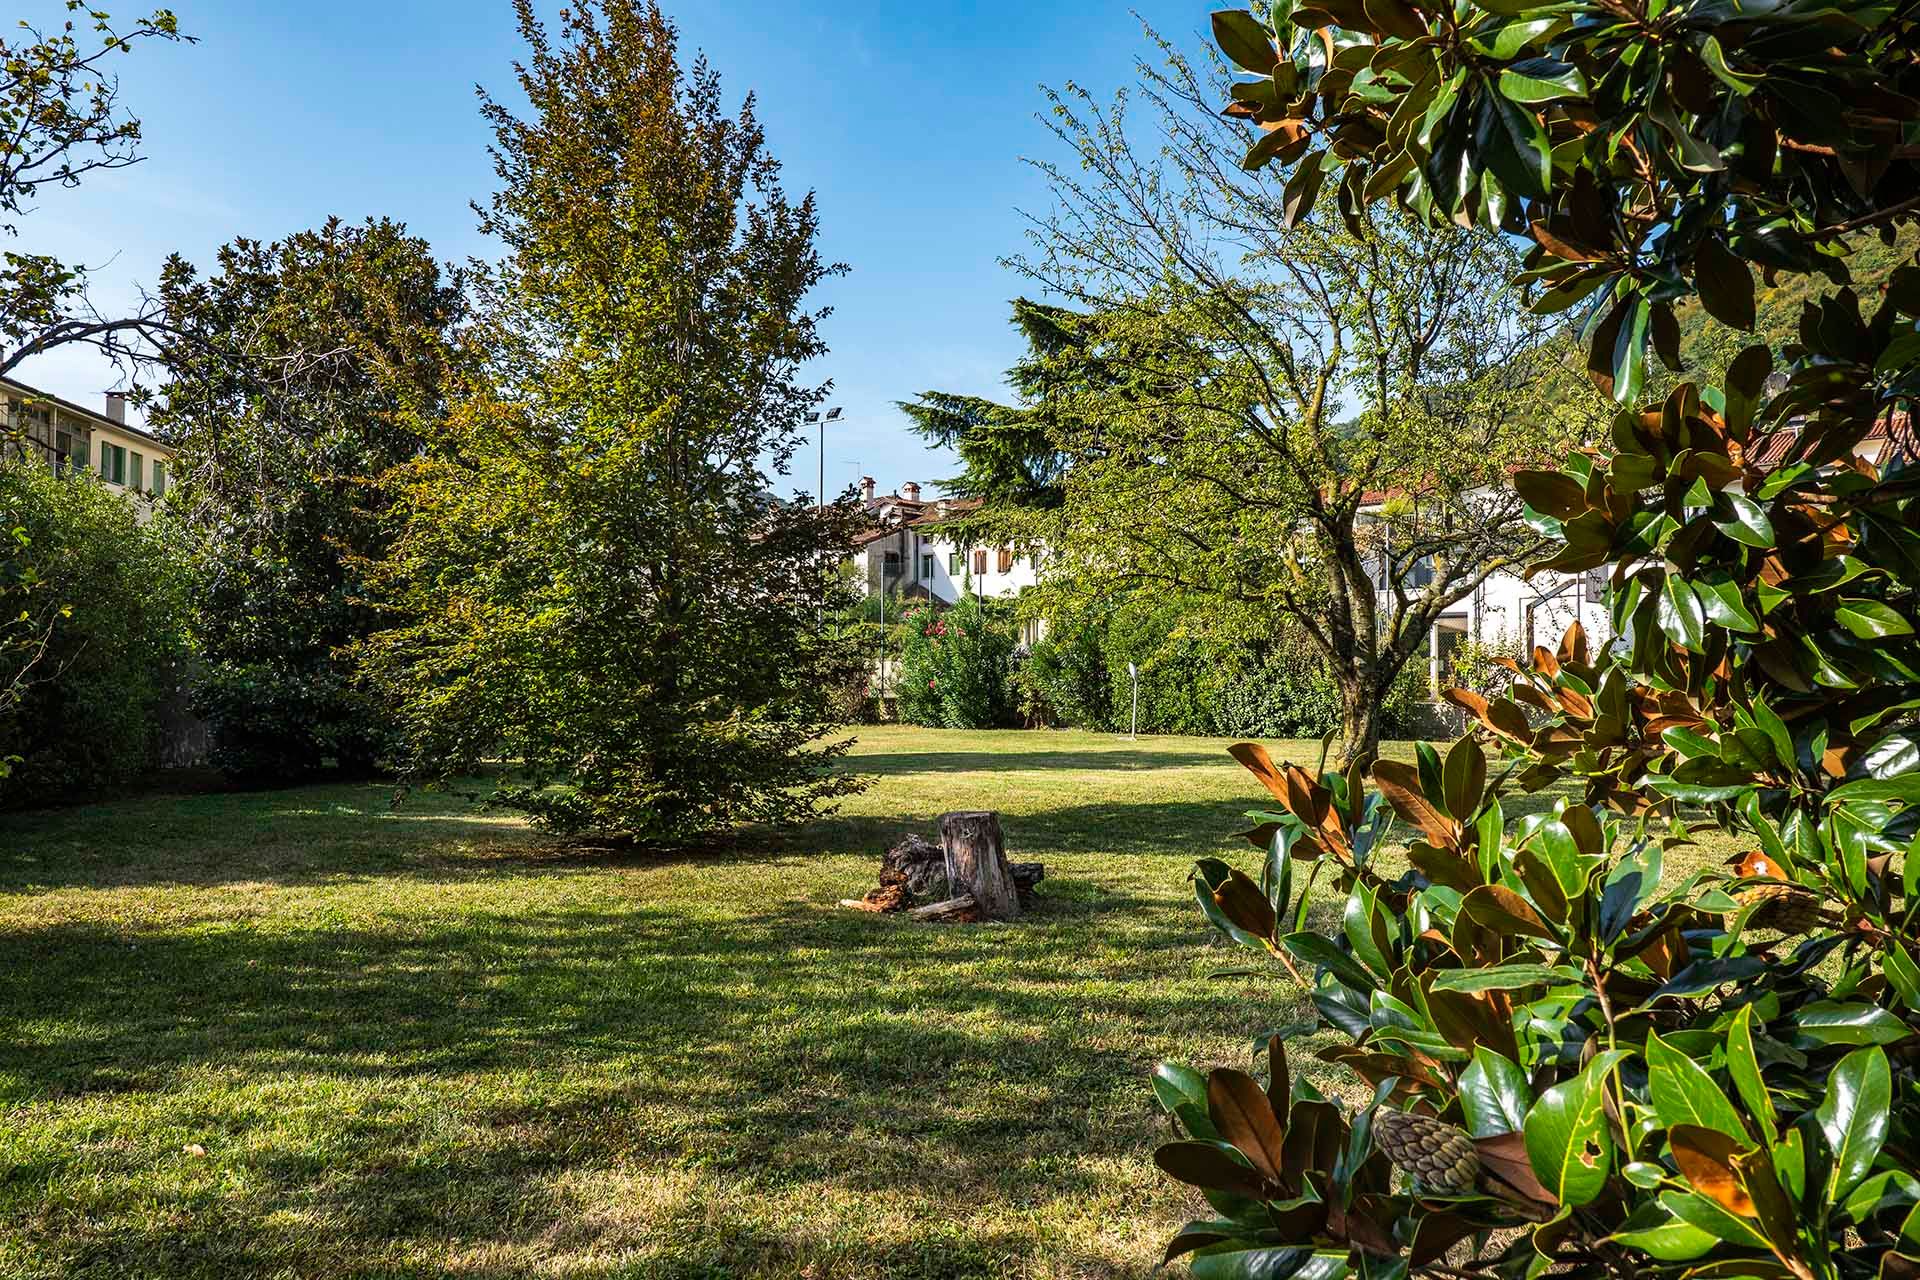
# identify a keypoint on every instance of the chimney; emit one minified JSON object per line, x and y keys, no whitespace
{"x":866,"y":488}
{"x":910,"y":491}
{"x":117,"y":406}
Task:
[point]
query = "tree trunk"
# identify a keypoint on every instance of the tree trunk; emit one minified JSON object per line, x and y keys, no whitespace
{"x":977,"y":863}
{"x":1359,"y":721}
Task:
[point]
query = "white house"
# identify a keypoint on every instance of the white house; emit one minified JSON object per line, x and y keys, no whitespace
{"x":906,"y":552}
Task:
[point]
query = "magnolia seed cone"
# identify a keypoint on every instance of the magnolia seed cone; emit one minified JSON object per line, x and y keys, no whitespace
{"x":1782,"y":907}
{"x":1441,"y":1156}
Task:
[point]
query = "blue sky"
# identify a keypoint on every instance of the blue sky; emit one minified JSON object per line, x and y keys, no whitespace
{"x":909,"y":119}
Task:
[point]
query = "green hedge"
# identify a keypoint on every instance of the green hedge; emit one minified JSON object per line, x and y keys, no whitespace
{"x":1194,"y":679}
{"x":957,"y":665}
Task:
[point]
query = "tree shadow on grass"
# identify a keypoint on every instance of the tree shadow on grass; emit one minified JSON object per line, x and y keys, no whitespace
{"x":466,"y":1065}
{"x":1122,"y":758}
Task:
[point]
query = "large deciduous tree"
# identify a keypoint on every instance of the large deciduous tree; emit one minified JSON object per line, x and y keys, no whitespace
{"x":595,"y":581}
{"x":1314,"y":423}
{"x":302,"y":371}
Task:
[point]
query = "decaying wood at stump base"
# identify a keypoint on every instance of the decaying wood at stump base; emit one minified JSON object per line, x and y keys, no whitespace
{"x":977,"y":863}
{"x":960,"y":910}
{"x":914,"y":883}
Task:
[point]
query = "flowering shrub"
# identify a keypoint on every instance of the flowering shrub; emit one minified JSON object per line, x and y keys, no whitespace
{"x":956,"y":665}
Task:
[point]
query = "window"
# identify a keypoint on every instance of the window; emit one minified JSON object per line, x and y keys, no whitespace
{"x":62,"y":450}
{"x":1004,"y":560}
{"x":980,"y":564}
{"x":893,"y":564}
{"x":926,"y":567}
{"x":137,"y":473}
{"x":953,"y":563}
{"x":159,"y":478}
{"x":113,"y":463}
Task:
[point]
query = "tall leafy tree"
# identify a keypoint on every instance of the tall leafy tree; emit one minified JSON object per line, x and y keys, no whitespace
{"x":300,"y":373}
{"x":1315,"y":425}
{"x":595,"y":582}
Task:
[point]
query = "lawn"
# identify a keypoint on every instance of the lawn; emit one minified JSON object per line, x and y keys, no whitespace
{"x":307,"y":1033}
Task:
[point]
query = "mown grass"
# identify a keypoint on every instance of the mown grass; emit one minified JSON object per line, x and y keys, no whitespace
{"x":425,"y":1041}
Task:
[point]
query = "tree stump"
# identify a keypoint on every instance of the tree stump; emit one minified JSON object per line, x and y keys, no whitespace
{"x":977,"y":863}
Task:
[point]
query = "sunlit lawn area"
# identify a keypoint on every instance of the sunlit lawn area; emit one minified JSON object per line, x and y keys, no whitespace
{"x":425,"y":1041}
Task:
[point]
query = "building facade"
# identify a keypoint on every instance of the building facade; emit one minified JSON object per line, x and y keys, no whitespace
{"x":906,"y":552}
{"x":68,"y":436}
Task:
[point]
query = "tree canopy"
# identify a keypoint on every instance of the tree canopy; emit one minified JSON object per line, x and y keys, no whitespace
{"x":300,"y":372}
{"x":592,"y":578}
{"x":1315,"y":424}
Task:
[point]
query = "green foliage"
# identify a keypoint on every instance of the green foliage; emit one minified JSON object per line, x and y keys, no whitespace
{"x":304,"y":369}
{"x":1661,"y":1075}
{"x":592,"y":580}
{"x":1649,"y":160}
{"x":1303,"y":423}
{"x":957,"y":664}
{"x":1181,"y":677}
{"x":1065,"y":680}
{"x":87,"y":706}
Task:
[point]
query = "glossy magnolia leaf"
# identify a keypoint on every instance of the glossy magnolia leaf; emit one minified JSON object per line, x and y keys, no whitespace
{"x":1321,"y":952}
{"x":1566,"y":1133}
{"x":1716,"y":59}
{"x":1303,"y":188}
{"x":1506,"y":977}
{"x":1511,"y":141}
{"x":1741,"y":518}
{"x":1892,"y":1189}
{"x":1872,"y":620}
{"x":1502,"y":910}
{"x":1211,"y":1166}
{"x":1174,"y":1084}
{"x":1705,"y":1157}
{"x":1681,"y":615}
{"x":1703,"y":1213}
{"x":1725,"y":284}
{"x":1630,"y":885}
{"x":1494,"y":1095}
{"x":1264,"y":1263}
{"x":1743,"y":1064}
{"x":1366,"y":931}
{"x":1209,"y":873}
{"x":1240,"y":1111}
{"x":1902,"y":973}
{"x":1723,"y":603}
{"x":1464,"y":778}
{"x":1244,"y":41}
{"x":1853,"y":1116}
{"x":1673,"y":1241}
{"x":1892,"y":756}
{"x":1744,"y":384}
{"x":1198,"y":1235}
{"x":1536,"y":80}
{"x":1831,"y":1022}
{"x":1683,"y":1092}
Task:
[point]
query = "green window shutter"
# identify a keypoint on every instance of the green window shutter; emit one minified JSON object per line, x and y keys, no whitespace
{"x":106,"y":461}
{"x":159,"y":478}
{"x":139,"y":470}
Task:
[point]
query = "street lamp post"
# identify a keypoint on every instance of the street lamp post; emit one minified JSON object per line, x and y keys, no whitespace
{"x":832,"y":415}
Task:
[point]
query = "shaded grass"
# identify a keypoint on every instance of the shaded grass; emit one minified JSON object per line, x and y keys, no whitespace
{"x":424,"y":1041}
